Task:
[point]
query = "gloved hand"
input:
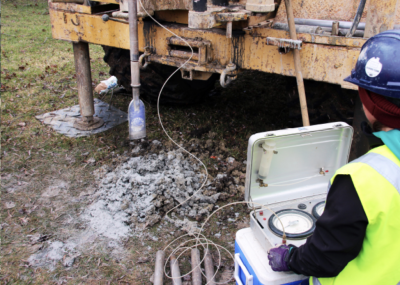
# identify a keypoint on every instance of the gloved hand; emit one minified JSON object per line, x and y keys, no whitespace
{"x":278,"y":258}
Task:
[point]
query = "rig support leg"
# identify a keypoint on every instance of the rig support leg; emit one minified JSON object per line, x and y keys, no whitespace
{"x":84,"y":83}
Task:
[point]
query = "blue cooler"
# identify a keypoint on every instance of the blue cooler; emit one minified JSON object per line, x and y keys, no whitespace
{"x":251,"y":263}
{"x":288,"y":171}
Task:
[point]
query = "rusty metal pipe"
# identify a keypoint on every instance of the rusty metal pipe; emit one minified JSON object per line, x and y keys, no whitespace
{"x":297,"y":65}
{"x":84,"y":79}
{"x":183,"y":54}
{"x":84,"y":83}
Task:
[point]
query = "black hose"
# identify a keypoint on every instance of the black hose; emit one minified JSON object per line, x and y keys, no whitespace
{"x":357,"y":19}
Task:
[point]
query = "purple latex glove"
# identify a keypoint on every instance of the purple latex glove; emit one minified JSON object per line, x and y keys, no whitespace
{"x":277,"y":258}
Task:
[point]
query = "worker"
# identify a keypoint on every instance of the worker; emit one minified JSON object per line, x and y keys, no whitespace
{"x":356,"y":240}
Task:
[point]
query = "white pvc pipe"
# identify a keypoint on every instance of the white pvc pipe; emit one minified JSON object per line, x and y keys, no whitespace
{"x":266,"y":159}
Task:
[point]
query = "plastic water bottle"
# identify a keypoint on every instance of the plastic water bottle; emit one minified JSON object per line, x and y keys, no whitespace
{"x":137,"y":120}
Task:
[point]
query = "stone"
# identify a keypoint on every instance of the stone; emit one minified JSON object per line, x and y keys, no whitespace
{"x":241,"y":190}
{"x":69,"y":261}
{"x":152,"y":219}
{"x":9,"y":205}
{"x":230,"y":160}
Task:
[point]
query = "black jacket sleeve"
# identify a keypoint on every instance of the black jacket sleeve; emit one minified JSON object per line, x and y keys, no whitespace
{"x":338,"y":236}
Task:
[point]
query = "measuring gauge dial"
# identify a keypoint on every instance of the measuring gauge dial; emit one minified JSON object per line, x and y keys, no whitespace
{"x":318,"y":209}
{"x":298,"y":224}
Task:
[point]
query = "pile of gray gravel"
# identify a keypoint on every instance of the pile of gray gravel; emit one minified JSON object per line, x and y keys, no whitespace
{"x":141,"y":189}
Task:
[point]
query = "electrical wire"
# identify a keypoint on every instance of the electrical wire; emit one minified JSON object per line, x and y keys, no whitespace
{"x":199,"y":239}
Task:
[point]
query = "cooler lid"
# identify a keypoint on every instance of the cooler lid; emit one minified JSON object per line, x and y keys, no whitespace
{"x":295,"y":163}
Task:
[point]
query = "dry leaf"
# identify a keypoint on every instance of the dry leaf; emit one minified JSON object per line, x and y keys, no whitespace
{"x":9,"y":205}
{"x":35,"y":248}
{"x":143,"y":259}
{"x":24,"y":220}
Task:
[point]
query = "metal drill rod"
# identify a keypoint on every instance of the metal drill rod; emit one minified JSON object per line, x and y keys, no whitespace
{"x":159,"y":268}
{"x":134,"y":52}
{"x":196,"y":273}
{"x":175,"y":272}
{"x":209,"y":267}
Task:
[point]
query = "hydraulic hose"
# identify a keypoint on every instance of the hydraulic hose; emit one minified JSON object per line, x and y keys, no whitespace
{"x":357,"y":19}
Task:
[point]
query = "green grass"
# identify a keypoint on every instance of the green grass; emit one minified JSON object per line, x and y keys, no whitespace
{"x":37,"y":76}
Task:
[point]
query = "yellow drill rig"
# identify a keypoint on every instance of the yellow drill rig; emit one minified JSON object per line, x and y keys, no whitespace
{"x":318,"y":40}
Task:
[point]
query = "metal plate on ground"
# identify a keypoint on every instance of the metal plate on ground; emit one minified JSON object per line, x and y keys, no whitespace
{"x":62,"y":121}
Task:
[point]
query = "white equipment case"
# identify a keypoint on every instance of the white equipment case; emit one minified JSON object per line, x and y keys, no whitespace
{"x":289,"y":171}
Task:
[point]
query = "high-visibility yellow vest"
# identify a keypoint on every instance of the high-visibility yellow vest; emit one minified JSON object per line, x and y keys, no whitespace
{"x":376,"y":178}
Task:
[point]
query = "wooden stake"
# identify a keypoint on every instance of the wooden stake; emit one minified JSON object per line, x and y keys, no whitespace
{"x":297,"y":65}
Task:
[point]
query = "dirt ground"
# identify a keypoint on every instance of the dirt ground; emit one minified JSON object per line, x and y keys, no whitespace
{"x":49,"y":180}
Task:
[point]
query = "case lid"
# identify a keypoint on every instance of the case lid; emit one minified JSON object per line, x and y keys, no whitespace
{"x":302,"y":162}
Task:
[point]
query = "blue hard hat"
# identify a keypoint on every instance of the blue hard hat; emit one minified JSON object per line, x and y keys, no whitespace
{"x":378,"y":65}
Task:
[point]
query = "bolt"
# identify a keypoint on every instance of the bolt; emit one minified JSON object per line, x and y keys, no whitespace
{"x":105,"y":17}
